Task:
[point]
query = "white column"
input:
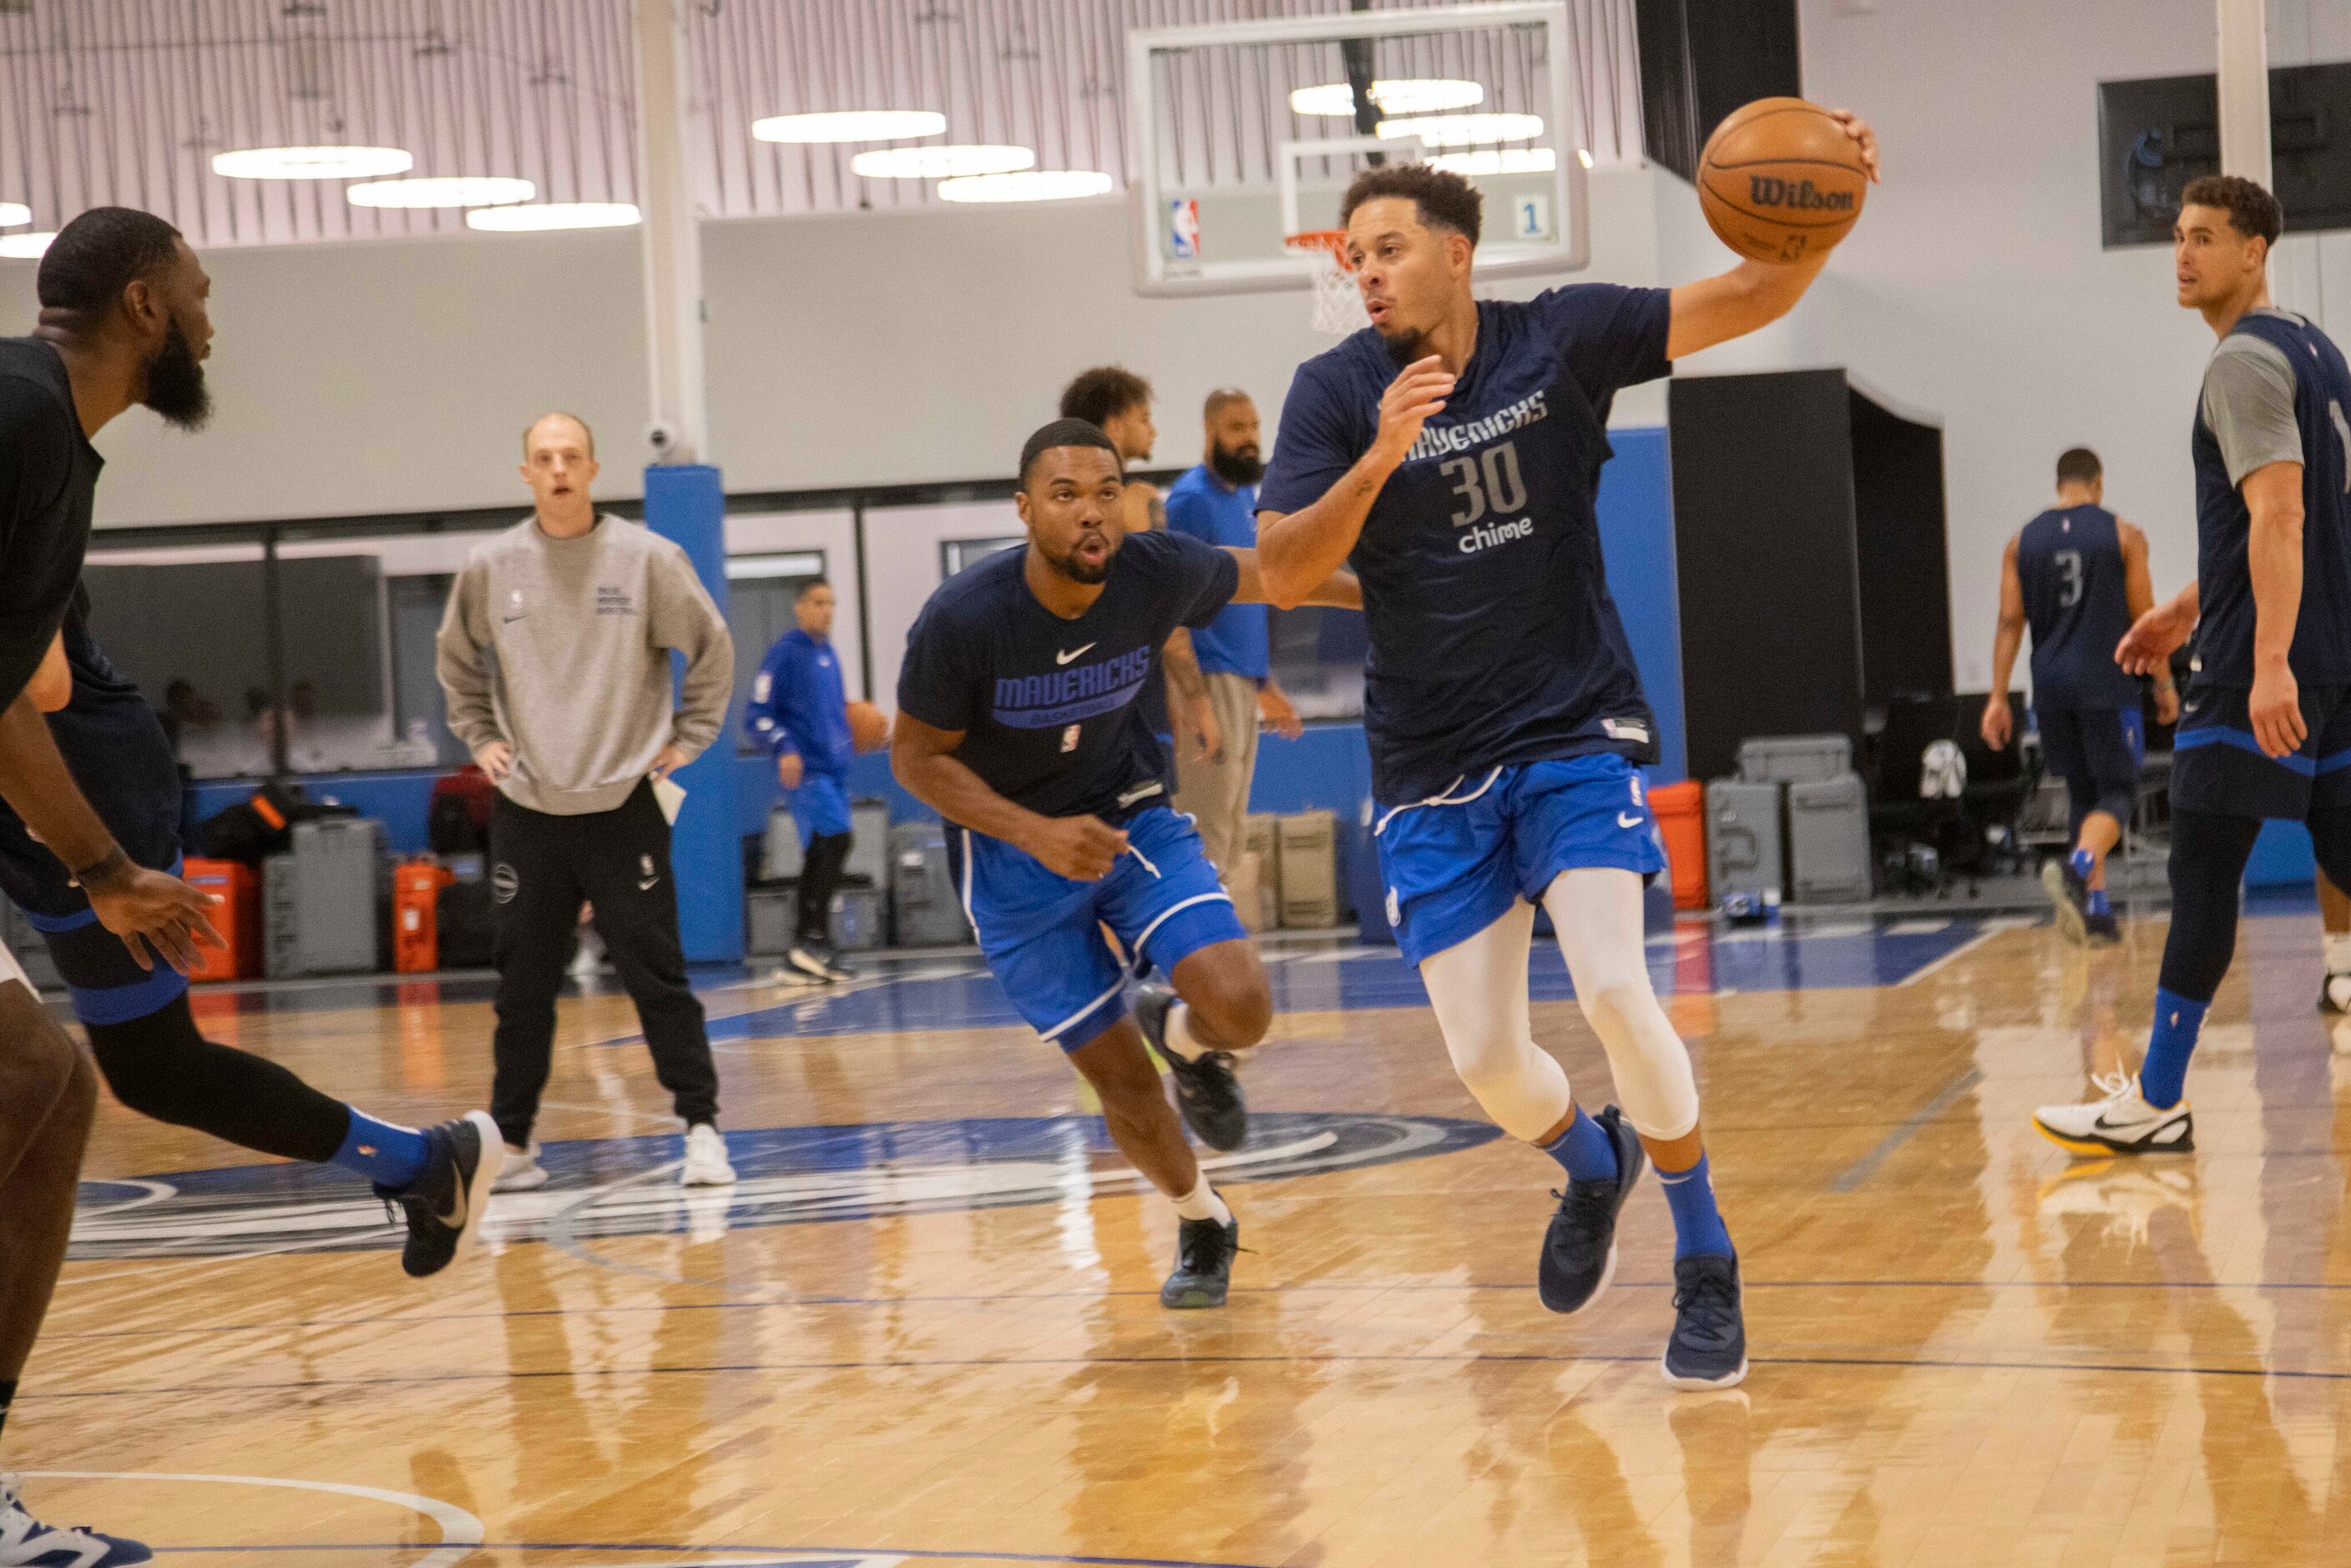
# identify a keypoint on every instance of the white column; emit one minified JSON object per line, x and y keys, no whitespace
{"x":673,"y":237}
{"x":2245,"y":89}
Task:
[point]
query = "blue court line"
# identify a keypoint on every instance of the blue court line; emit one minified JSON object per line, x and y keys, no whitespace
{"x":1017,"y":1298}
{"x":1395,"y":1358}
{"x":1862,"y":1169}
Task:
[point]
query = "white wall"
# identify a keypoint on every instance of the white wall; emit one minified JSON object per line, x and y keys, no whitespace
{"x":1974,"y":291}
{"x":872,"y":349}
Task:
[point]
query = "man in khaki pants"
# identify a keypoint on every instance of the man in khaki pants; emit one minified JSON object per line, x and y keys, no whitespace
{"x":1217,"y":502}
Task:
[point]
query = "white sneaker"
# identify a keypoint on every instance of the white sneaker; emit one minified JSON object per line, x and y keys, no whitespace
{"x":2120,"y":1123}
{"x":25,"y":1540}
{"x":706,"y":1158}
{"x":523,"y":1173}
{"x":589,"y":960}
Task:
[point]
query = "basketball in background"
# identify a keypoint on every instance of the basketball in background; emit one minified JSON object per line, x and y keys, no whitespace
{"x":869,"y":726}
{"x":1780,"y":181}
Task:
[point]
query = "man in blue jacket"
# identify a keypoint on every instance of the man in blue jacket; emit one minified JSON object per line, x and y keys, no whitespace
{"x":800,"y":708}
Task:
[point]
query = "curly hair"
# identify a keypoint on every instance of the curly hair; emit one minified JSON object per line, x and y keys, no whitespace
{"x":2252,"y":211}
{"x":1446,"y":200}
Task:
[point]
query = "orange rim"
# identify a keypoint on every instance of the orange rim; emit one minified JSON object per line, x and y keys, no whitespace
{"x":1333,"y":241}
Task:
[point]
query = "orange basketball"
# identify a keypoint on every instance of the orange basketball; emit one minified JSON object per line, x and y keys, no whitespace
{"x":1780,"y":181}
{"x":869,"y":726}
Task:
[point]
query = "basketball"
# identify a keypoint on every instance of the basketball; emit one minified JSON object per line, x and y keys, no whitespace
{"x":869,"y":726}
{"x":1779,"y":180}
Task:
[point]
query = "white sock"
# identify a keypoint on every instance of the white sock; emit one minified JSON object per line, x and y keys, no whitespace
{"x":2338,"y":952}
{"x":1202,"y":1203}
{"x":1180,"y":1039}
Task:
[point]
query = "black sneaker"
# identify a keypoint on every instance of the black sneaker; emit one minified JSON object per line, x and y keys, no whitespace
{"x":2101,"y":927}
{"x":1204,"y":1264}
{"x":1579,"y":1253}
{"x":445,"y":1204}
{"x":1708,"y":1349}
{"x":816,"y":961}
{"x":1206,"y":1092}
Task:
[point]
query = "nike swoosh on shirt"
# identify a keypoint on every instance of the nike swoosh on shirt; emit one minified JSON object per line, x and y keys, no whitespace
{"x":1629,"y":820}
{"x":1065,"y":658}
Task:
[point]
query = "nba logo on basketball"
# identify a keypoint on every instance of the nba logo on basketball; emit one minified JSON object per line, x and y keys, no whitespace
{"x":1184,"y":229}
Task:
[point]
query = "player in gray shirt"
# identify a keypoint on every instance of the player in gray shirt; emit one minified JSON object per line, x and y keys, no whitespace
{"x":555,"y":654}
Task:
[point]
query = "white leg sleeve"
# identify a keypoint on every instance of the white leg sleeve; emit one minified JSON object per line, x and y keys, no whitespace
{"x":1597,"y":913}
{"x":1479,"y":989}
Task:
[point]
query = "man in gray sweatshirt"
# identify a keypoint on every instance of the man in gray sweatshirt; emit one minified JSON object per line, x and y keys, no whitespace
{"x":555,"y":657}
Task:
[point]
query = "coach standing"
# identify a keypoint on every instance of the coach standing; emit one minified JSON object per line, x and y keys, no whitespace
{"x":573,"y":720}
{"x":1216,"y":504}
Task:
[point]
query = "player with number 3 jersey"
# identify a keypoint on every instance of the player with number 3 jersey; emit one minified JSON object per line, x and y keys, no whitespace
{"x":1451,"y":454}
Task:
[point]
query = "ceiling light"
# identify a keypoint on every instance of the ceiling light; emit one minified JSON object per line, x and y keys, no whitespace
{"x":1464,"y":130}
{"x":311,"y":162}
{"x":442,"y":191}
{"x":1032,"y":186}
{"x":940,"y":163}
{"x":1499,"y":160}
{"x":533,"y":217}
{"x":25,"y":247}
{"x":1583,"y":156}
{"x":13,"y":212}
{"x":1406,"y":95}
{"x":851,"y":125}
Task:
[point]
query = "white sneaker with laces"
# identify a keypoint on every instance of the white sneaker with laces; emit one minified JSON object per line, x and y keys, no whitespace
{"x":522,"y":1172}
{"x":27,"y":1542}
{"x":706,"y":1158}
{"x":2121,"y":1123}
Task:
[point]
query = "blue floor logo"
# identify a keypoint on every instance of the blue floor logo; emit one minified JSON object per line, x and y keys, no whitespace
{"x":790,"y":1176}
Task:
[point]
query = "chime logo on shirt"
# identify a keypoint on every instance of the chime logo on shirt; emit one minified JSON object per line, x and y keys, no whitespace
{"x":1071,"y":695}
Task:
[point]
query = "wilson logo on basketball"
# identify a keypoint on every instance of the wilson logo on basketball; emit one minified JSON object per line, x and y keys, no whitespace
{"x":1797,"y":196}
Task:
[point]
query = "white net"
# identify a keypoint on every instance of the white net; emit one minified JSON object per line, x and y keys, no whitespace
{"x":1338,"y":304}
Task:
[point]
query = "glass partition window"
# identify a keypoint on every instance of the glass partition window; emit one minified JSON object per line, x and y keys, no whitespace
{"x":957,"y":554}
{"x":760,"y":591}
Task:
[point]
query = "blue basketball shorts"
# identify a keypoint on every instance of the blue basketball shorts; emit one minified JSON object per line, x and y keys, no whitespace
{"x":2217,"y":765}
{"x":1455,"y":863}
{"x":819,"y":806}
{"x":1041,"y":933}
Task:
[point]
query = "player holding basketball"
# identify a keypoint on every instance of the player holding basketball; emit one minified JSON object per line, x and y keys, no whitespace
{"x":2076,"y":575}
{"x":1017,"y":723}
{"x":1452,"y":452}
{"x":2265,"y":730}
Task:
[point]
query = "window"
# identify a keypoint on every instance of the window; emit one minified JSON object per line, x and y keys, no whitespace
{"x":957,"y":554}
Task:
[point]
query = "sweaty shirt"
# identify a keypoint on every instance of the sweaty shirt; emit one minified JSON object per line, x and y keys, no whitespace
{"x":1493,"y":637}
{"x":49,"y":479}
{"x":2069,"y":562}
{"x":1048,"y":707}
{"x":2276,"y":390}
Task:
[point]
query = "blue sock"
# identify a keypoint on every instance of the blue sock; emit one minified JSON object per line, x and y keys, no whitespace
{"x":1698,"y":1224}
{"x":387,"y":1156}
{"x":2083,"y":862}
{"x":1584,"y":1149}
{"x":2178,"y":1021}
{"x":2098,"y":904}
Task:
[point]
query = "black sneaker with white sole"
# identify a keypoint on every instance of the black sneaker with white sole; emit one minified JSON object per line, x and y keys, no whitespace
{"x":818,"y":962}
{"x":1203,"y":1265}
{"x":1207,"y":1092}
{"x":1708,"y":1347}
{"x":445,"y":1204}
{"x":1579,"y":1252}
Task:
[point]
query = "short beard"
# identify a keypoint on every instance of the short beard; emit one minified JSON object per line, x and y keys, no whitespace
{"x":1406,"y":347}
{"x":175,"y":383}
{"x":1235,"y":467}
{"x":1076,"y":571}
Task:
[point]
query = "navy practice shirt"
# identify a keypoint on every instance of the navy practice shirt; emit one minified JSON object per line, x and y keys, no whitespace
{"x":1493,"y":637}
{"x":2069,"y":562}
{"x":1047,"y":706}
{"x":2246,"y":394}
{"x":1204,"y":506}
{"x":48,"y":482}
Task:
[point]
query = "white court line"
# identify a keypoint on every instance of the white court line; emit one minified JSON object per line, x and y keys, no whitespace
{"x":1918,"y":927}
{"x":460,"y":1531}
{"x":1956,"y":954}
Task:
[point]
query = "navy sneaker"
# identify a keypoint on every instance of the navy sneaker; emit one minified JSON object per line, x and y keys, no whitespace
{"x":445,"y":1204}
{"x":25,"y":1540}
{"x":1708,"y":1349}
{"x":1207,"y":1090}
{"x":1204,"y":1264}
{"x":2069,"y":895}
{"x":1579,"y":1254}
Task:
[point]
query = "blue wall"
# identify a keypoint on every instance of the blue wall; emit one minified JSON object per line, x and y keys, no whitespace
{"x":1636,"y":536}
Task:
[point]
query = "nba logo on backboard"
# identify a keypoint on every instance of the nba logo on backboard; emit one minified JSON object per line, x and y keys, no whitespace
{"x":1184,"y":229}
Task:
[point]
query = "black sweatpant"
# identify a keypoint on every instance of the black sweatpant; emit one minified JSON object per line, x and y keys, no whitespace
{"x":821,"y":868}
{"x":542,"y":868}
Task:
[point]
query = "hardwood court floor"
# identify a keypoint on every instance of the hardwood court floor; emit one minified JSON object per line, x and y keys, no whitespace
{"x":926,"y":1328}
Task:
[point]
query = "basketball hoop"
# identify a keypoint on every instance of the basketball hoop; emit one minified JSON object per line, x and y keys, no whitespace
{"x":1338,"y":306}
